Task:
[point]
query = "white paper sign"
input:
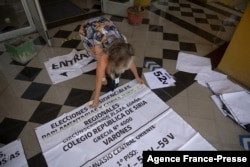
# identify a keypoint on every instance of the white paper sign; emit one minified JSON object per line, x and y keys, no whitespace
{"x":65,"y":67}
{"x":12,"y":155}
{"x":224,"y":86}
{"x":159,"y":79}
{"x":192,"y":63}
{"x":209,"y":76}
{"x":238,"y":103}
{"x":129,"y":120}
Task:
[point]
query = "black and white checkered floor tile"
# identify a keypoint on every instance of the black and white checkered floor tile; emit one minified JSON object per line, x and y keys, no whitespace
{"x":170,"y":26}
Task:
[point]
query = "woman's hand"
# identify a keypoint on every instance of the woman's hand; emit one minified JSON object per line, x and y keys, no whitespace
{"x":133,"y":68}
{"x":94,"y":103}
{"x":140,"y":80}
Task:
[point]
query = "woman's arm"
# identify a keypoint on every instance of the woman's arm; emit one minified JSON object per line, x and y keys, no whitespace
{"x":133,"y":68}
{"x":102,"y":62}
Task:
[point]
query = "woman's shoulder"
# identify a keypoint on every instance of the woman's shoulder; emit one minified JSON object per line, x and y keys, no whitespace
{"x":101,"y":55}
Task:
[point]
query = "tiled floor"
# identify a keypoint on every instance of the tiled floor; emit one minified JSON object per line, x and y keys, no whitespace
{"x":28,"y":98}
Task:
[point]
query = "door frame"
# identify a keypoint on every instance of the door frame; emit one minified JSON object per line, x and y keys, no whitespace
{"x":39,"y":21}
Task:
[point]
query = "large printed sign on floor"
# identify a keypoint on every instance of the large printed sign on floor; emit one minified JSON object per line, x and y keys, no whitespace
{"x":128,"y":120}
{"x":65,"y":67}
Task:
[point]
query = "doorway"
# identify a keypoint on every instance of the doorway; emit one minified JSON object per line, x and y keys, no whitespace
{"x":18,"y":18}
{"x":61,"y":12}
{"x":15,"y":19}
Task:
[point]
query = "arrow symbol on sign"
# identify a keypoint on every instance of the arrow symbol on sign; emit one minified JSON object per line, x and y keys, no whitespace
{"x":64,"y":74}
{"x":151,"y":65}
{"x":245,"y":141}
